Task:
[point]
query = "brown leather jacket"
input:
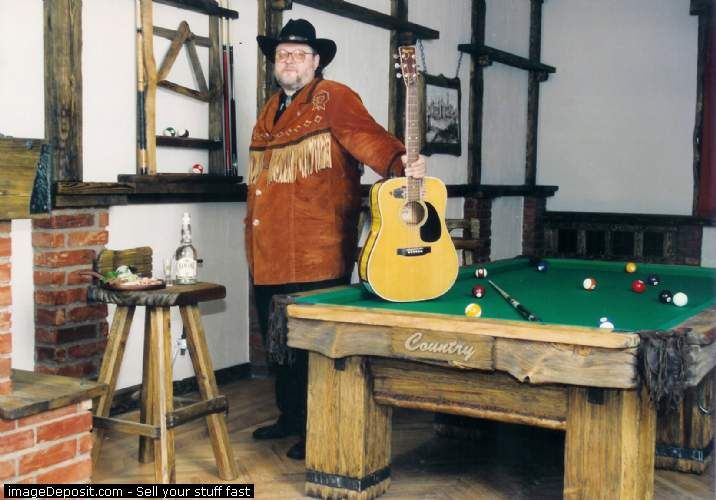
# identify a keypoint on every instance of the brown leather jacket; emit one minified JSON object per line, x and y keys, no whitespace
{"x":304,"y":183}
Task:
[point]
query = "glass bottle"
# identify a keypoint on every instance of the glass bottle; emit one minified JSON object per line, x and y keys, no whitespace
{"x":185,"y":256}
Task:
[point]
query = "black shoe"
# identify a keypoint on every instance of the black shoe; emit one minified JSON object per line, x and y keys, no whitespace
{"x":297,"y":451}
{"x":274,"y":431}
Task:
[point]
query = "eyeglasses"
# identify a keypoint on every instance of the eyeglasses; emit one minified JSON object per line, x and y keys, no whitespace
{"x":298,"y":55}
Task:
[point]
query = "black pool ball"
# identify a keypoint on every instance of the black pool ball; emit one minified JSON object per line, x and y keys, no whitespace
{"x":653,"y":279}
{"x":478,"y":291}
{"x":542,"y":266}
{"x":665,"y":297}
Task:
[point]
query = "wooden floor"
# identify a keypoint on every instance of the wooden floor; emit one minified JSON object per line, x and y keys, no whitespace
{"x":513,"y":462}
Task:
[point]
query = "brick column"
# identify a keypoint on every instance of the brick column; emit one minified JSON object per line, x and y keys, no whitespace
{"x":533,"y":225}
{"x":5,"y":303}
{"x":481,"y":208}
{"x":49,"y":447}
{"x":70,"y":334}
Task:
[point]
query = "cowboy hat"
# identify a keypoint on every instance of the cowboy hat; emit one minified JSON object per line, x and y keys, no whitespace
{"x":299,"y":31}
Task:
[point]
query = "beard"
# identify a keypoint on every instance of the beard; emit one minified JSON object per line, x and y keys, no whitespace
{"x":292,"y":79}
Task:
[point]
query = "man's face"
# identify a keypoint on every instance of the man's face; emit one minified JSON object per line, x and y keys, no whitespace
{"x":290,"y":72}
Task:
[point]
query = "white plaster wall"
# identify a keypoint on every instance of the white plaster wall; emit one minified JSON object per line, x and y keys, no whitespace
{"x":23,"y":301}
{"x":616,"y":120}
{"x":708,"y":247}
{"x":506,"y":227}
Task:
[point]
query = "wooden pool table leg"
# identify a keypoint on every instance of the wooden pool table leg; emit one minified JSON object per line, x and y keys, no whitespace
{"x":348,"y":434}
{"x":609,"y":446}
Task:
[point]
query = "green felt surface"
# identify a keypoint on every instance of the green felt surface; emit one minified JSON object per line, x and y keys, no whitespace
{"x":557,"y":296}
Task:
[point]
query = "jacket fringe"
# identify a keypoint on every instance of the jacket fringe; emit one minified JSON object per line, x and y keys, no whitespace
{"x":305,"y":158}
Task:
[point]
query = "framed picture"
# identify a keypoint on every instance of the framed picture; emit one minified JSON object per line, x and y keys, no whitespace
{"x":440,"y":101}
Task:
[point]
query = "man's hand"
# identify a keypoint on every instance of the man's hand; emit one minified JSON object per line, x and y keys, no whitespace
{"x":417,"y":169}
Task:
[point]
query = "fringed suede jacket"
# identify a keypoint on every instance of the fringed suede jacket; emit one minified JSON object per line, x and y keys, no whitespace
{"x":304,"y":183}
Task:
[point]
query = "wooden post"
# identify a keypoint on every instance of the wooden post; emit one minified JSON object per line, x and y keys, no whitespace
{"x":609,"y":445}
{"x":346,"y":457}
{"x":270,"y":23}
{"x":533,"y":93}
{"x":150,"y":96}
{"x":474,"y":143}
{"x":216,"y":110}
{"x":163,"y":397}
{"x":63,"y":86}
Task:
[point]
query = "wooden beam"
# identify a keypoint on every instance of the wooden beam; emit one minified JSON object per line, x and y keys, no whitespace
{"x":486,"y":55}
{"x":369,"y":16}
{"x":209,"y":7}
{"x":188,"y":142}
{"x":699,"y":7}
{"x":150,"y":94}
{"x":533,"y":93}
{"x":19,"y":160}
{"x":216,"y":85}
{"x":270,"y":23}
{"x":697,"y":138}
{"x":474,"y":142}
{"x":63,"y":86}
{"x":201,"y":41}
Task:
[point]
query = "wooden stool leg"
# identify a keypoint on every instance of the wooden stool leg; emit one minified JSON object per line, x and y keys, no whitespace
{"x":609,"y":444}
{"x":204,"y":370}
{"x":111,"y":363}
{"x":162,"y":394}
{"x":146,"y":445}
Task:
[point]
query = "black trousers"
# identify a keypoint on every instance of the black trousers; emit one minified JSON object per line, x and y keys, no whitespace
{"x":291,"y":381}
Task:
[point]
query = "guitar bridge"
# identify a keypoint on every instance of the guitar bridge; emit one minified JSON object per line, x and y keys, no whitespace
{"x":413,"y":251}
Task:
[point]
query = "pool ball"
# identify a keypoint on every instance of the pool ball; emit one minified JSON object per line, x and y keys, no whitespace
{"x":478,"y":291}
{"x":680,"y":299}
{"x":481,"y":272}
{"x":589,"y":284}
{"x":605,"y":323}
{"x":630,"y":267}
{"x":665,"y":297}
{"x":638,"y":286}
{"x":473,"y":310}
{"x":542,"y":266}
{"x":653,"y":279}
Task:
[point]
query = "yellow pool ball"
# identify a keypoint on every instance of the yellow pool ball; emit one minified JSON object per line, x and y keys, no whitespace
{"x":473,"y":310}
{"x":630,"y":267}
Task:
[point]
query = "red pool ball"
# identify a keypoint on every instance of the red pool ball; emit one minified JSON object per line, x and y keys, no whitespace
{"x":638,"y":286}
{"x":478,"y":291}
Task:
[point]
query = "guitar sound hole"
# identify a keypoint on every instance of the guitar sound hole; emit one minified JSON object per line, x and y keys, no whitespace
{"x":413,"y":213}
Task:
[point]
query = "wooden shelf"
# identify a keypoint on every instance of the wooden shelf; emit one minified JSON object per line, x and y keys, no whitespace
{"x":160,"y":188}
{"x":491,"y":54}
{"x":369,"y":16}
{"x":35,"y":392}
{"x":209,"y":7}
{"x":188,"y":142}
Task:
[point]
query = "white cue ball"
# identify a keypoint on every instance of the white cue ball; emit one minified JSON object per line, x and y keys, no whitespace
{"x":680,"y":299}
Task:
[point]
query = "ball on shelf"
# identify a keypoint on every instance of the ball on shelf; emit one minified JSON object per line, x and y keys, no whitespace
{"x":653,"y":279}
{"x":638,"y":286}
{"x":589,"y":284}
{"x":666,"y":297}
{"x":481,"y":272}
{"x":478,"y":291}
{"x":680,"y":299}
{"x":473,"y":310}
{"x":169,"y":132}
{"x":542,"y":266}
{"x":182,"y":132}
{"x":630,"y":267}
{"x":197,"y":168}
{"x":605,"y":323}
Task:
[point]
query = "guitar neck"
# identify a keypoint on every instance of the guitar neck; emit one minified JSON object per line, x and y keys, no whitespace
{"x":412,"y":139}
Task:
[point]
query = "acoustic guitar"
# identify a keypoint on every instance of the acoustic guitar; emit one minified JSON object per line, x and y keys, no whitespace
{"x":408,"y":255}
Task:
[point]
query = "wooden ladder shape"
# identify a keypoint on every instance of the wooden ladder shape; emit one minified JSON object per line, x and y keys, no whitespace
{"x":183,"y":36}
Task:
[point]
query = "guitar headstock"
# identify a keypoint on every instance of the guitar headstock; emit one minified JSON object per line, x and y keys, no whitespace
{"x":408,"y":66}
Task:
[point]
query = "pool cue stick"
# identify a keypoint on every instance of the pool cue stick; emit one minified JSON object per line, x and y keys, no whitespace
{"x":141,"y":117}
{"x":227,"y":125}
{"x":519,"y":307}
{"x":232,"y":93}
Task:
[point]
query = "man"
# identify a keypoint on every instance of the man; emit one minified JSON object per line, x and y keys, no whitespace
{"x":304,"y":196}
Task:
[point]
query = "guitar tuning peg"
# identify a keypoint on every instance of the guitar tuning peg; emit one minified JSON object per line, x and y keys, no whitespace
{"x":398,"y":75}
{"x":395,"y":56}
{"x":396,"y":65}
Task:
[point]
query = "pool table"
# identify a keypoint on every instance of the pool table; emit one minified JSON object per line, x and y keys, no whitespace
{"x":562,"y":372}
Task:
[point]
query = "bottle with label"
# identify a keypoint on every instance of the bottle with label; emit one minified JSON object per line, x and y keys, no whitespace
{"x":185,"y":256}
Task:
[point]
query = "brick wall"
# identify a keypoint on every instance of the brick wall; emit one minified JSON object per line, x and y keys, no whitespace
{"x":481,"y":208}
{"x":70,"y":334}
{"x":5,"y":303}
{"x":533,"y":225}
{"x":49,"y":447}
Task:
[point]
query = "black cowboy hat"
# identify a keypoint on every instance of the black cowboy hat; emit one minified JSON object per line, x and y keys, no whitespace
{"x":299,"y":31}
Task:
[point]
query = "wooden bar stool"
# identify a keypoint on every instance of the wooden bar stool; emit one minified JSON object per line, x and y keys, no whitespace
{"x":158,"y":417}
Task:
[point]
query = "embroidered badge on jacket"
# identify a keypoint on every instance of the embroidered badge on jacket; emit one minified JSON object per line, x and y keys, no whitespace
{"x":319,"y":100}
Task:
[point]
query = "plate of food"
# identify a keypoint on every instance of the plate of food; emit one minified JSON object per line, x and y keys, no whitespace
{"x":124,"y":279}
